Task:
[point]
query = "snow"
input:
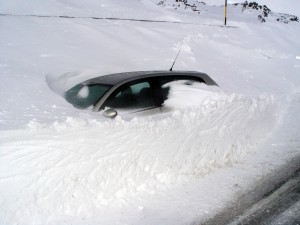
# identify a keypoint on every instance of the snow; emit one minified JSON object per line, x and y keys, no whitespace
{"x":61,"y":165}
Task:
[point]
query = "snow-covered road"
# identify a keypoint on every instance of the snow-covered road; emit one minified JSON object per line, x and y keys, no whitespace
{"x":268,"y":201}
{"x":281,"y":207}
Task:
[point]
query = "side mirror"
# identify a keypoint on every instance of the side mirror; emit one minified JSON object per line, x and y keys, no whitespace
{"x":110,"y":113}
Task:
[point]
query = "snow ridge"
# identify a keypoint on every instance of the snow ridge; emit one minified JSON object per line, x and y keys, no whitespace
{"x":263,"y":13}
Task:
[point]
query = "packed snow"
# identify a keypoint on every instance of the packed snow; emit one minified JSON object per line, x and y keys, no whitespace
{"x":62,"y":165}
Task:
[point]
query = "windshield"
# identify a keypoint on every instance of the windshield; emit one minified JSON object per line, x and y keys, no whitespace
{"x":83,"y":96}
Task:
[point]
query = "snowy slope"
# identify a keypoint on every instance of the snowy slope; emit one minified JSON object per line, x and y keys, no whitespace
{"x":104,"y":8}
{"x":288,"y":6}
{"x":240,"y":11}
{"x":59,"y":165}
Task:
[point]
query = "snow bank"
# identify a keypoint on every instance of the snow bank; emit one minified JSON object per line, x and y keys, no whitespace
{"x":148,"y":152}
{"x":91,"y":164}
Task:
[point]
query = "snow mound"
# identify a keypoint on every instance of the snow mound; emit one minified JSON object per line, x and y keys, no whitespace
{"x":92,"y":162}
{"x":262,"y":12}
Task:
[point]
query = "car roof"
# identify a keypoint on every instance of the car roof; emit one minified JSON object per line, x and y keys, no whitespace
{"x":117,"y":78}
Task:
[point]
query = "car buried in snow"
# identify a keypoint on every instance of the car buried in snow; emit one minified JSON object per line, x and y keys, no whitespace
{"x":141,"y":92}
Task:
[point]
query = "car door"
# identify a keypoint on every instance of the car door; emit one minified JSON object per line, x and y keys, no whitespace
{"x":137,"y":97}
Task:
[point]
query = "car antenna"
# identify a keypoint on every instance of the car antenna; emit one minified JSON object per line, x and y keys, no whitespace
{"x":174,"y":61}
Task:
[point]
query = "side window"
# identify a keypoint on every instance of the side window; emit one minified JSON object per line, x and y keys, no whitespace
{"x":140,"y":87}
{"x":131,"y":96}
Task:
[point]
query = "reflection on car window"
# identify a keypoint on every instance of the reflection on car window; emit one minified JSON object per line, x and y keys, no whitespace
{"x":83,"y":96}
{"x":135,"y":96}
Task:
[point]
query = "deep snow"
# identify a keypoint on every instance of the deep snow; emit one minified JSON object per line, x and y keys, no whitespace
{"x":59,"y":165}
